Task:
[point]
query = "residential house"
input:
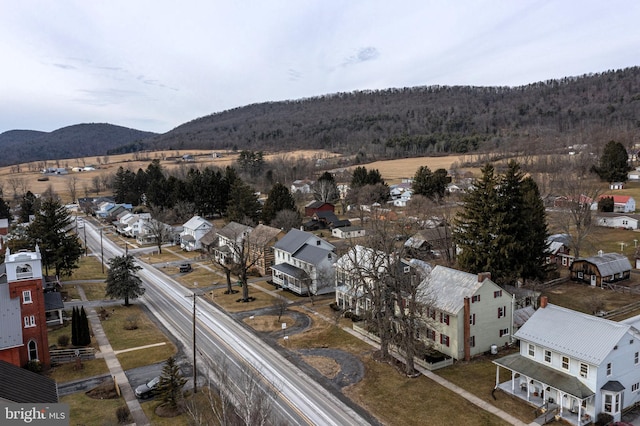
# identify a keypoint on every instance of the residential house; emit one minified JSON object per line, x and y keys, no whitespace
{"x":601,"y":269}
{"x":465,"y":314}
{"x":192,"y":232}
{"x":616,"y":185}
{"x":21,"y":386}
{"x":403,"y":199}
{"x":302,"y":186}
{"x":304,"y":263}
{"x":109,"y":211}
{"x":131,"y":224}
{"x":230,"y":247}
{"x":346,"y":232}
{"x":23,"y":326}
{"x":209,"y":241}
{"x":634,"y":175}
{"x":574,"y":365}
{"x":621,"y":203}
{"x":318,"y":206}
{"x":559,"y":251}
{"x":325,"y":220}
{"x":430,"y":243}
{"x":150,"y":230}
{"x":396,"y":190}
{"x":617,"y":220}
{"x":4,"y":226}
{"x":259,"y":244}
{"x":357,"y":271}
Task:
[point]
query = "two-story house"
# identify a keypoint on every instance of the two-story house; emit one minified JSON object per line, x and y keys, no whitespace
{"x":464,"y":314}
{"x":192,"y":232}
{"x":230,"y":248}
{"x":574,"y":365}
{"x":259,"y":245}
{"x":304,"y":263}
{"x":23,"y":327}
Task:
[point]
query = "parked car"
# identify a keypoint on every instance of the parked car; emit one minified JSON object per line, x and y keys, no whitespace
{"x":147,"y":390}
{"x":185,"y":267}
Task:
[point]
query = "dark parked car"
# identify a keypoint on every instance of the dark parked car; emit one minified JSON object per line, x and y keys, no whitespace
{"x":185,"y":267}
{"x":147,"y":390}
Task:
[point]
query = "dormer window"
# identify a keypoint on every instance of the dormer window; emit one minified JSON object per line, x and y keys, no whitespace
{"x":318,"y":242}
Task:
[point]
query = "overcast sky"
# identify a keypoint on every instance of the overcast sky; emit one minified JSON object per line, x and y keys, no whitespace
{"x":155,"y":64}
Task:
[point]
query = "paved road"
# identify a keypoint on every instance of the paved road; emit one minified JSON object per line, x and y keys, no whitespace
{"x":296,"y":398}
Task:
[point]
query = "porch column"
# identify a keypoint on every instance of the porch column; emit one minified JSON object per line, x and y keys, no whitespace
{"x":497,"y":371}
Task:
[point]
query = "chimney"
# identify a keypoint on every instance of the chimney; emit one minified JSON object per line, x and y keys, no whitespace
{"x":483,"y":276}
{"x":543,"y":301}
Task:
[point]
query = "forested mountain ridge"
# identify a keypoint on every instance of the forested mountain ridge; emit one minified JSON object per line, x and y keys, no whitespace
{"x":81,"y":140}
{"x":539,"y":117}
{"x":428,"y":120}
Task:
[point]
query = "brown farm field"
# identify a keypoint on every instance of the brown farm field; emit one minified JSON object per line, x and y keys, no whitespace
{"x":27,"y":179}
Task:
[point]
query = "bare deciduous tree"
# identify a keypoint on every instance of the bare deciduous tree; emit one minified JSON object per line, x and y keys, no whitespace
{"x":72,"y":183}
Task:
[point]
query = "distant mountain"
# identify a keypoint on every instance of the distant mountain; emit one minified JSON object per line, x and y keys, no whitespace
{"x":432,"y":120}
{"x":81,"y":140}
{"x":540,"y":117}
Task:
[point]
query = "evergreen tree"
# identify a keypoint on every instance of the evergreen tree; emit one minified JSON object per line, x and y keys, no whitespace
{"x":156,"y":189}
{"x":279,"y":199}
{"x":614,"y":163}
{"x":171,"y":383}
{"x":84,"y":335}
{"x":75,"y":324}
{"x":243,"y":206}
{"x":59,"y":249}
{"x":502,"y":228}
{"x":122,"y":281}
{"x":430,"y":184}
{"x":474,"y":225}
{"x":28,"y":206}
{"x":359,"y":177}
{"x":5,"y":210}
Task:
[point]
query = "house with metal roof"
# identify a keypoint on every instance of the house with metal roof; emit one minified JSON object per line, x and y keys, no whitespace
{"x":574,"y":365}
{"x":192,"y":232}
{"x":231,"y":242}
{"x":21,"y":386}
{"x":602,"y":269}
{"x":259,"y":245}
{"x":465,"y":314}
{"x":304,"y":263}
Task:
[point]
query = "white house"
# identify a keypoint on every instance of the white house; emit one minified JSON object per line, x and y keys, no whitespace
{"x":403,"y":199}
{"x":621,"y":203}
{"x":617,"y":220}
{"x":230,"y":240}
{"x":348,"y":232}
{"x":304,"y":263}
{"x":192,"y":232}
{"x":302,"y":186}
{"x":574,"y":365}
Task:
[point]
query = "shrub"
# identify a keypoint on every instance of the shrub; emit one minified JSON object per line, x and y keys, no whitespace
{"x":63,"y":340}
{"x":604,"y":419}
{"x":34,"y":365}
{"x":348,"y":314}
{"x":131,"y":322}
{"x":334,"y":306}
{"x":122,"y":413}
{"x":356,"y":318}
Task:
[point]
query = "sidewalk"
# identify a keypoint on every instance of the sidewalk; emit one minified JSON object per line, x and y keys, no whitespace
{"x":138,"y":416}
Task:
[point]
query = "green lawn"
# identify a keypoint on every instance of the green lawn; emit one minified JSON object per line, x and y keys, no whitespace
{"x":90,"y":411}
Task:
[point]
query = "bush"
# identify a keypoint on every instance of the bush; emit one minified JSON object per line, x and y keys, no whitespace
{"x":122,"y":413}
{"x":356,"y":318}
{"x":63,"y":340}
{"x":604,"y":419}
{"x":34,"y":366}
{"x":334,"y":306}
{"x":348,"y":314}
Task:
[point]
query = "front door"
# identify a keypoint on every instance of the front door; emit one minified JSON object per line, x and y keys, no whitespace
{"x":593,"y":280}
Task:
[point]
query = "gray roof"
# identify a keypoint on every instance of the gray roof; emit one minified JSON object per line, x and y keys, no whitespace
{"x":311,"y":254}
{"x":263,"y":234}
{"x":10,"y":317}
{"x":608,"y":263}
{"x":20,"y":385}
{"x":542,"y":373}
{"x":447,"y":288}
{"x":234,"y":231}
{"x":293,"y":240}
{"x":290,"y":270}
{"x":196,"y":222}
{"x":573,"y":333}
{"x":53,"y":301}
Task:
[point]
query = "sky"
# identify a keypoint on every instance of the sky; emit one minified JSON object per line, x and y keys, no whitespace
{"x":155,"y":64}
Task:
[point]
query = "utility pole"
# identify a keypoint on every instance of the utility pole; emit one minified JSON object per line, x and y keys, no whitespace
{"x":86,"y":250}
{"x":101,"y":251}
{"x":195,"y":370}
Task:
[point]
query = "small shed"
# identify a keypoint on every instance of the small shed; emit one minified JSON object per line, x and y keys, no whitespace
{"x":601,"y":269}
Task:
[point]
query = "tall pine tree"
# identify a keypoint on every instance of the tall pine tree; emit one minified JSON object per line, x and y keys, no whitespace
{"x":279,"y":199}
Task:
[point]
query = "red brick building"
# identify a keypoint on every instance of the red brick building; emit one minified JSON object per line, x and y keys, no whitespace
{"x":23,"y":328}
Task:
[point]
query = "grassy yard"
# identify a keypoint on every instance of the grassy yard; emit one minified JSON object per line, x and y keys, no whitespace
{"x":146,"y":333}
{"x":94,"y":291}
{"x":581,"y":297}
{"x":90,"y":268}
{"x":89,"y":411}
{"x":67,"y":372}
{"x":229,"y":302}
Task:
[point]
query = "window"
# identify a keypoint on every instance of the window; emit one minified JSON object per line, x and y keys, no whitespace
{"x":26,"y":297}
{"x":444,"y":339}
{"x":635,"y":387}
{"x":580,"y":275}
{"x":565,"y":362}
{"x":504,"y":332}
{"x":584,"y":370}
{"x":532,"y":350}
{"x":29,"y":321}
{"x":608,"y":398}
{"x":547,"y":355}
{"x":497,"y":294}
{"x":472,"y":341}
{"x":502,"y":311}
{"x":431,"y":334}
{"x":475,"y":298}
{"x":609,"y":369}
{"x":33,"y":350}
{"x":636,"y":358}
{"x":444,"y":318}
{"x":407,"y":269}
{"x":472,"y":319}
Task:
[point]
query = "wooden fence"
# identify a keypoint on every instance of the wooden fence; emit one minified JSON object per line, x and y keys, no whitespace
{"x":61,"y":356}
